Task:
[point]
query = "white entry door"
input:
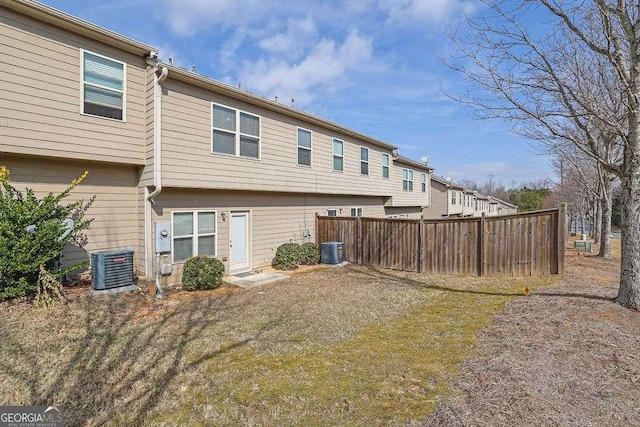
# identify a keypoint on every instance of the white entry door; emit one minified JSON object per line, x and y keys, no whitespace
{"x":239,"y":242}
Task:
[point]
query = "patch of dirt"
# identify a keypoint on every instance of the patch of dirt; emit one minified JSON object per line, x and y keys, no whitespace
{"x":565,"y":355}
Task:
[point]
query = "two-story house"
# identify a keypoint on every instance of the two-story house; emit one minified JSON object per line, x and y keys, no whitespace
{"x":234,"y":174}
{"x":447,"y":199}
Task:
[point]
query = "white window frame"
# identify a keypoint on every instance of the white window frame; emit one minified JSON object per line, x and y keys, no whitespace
{"x":385,"y":166}
{"x":357,"y":210}
{"x":336,"y":210}
{"x":124,"y":86}
{"x":194,"y":236}
{"x":407,"y":177}
{"x":310,"y":149}
{"x":424,"y":182}
{"x":333,"y":165}
{"x":237,"y":134}
{"x":453,"y":197}
{"x":363,"y":162}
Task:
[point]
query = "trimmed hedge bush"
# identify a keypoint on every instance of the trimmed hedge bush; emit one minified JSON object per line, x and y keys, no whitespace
{"x":290,"y":255}
{"x":310,"y":254}
{"x":287,"y":256}
{"x":201,"y":272}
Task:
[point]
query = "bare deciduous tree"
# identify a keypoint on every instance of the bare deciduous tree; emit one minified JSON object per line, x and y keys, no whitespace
{"x":571,"y":75}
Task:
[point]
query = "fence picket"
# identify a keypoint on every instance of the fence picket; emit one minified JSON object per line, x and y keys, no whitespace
{"x":529,"y":244}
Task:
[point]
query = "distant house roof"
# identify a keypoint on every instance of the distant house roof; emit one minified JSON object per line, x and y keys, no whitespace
{"x":502,"y":202}
{"x":444,"y":181}
{"x":410,"y":162}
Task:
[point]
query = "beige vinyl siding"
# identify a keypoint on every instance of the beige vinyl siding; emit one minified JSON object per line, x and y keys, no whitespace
{"x":275,"y":218}
{"x":439,"y":201}
{"x":411,"y":212}
{"x":40,"y":96}
{"x":114,"y":210}
{"x":404,"y":197}
{"x":454,"y":210}
{"x":188,"y":161}
{"x":468,"y":210}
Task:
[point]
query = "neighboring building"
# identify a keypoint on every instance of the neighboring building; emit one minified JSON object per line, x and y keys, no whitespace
{"x":447,"y":199}
{"x":468,"y":202}
{"x":504,"y":208}
{"x":481,"y":205}
{"x":235,"y":175}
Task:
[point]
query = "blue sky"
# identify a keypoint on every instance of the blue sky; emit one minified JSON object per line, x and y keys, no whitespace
{"x":371,"y":65}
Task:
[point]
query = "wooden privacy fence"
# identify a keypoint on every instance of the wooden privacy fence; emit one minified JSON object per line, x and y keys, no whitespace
{"x":527,"y":244}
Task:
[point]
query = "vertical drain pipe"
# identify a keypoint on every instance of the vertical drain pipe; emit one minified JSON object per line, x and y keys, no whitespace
{"x":157,"y":155}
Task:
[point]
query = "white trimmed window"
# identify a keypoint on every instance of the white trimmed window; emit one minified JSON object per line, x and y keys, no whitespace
{"x":194,"y":233}
{"x":356,"y":212}
{"x":235,"y":132}
{"x":103,"y":86}
{"x":338,"y":155}
{"x":304,"y":147}
{"x":364,"y":161}
{"x":332,"y":212}
{"x":385,"y":165}
{"x":424,"y":182}
{"x":453,"y":197}
{"x":407,"y":179}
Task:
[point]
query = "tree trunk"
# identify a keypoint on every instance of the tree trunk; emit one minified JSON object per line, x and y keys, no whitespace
{"x":605,"y":224}
{"x":597,"y":236}
{"x":629,"y":292}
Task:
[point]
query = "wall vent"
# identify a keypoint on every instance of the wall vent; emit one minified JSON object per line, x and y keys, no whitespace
{"x":112,"y":269}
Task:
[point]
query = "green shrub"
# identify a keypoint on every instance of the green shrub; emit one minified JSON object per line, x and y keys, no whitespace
{"x":310,"y":254}
{"x":288,"y":256}
{"x":31,"y":235}
{"x":201,"y":272}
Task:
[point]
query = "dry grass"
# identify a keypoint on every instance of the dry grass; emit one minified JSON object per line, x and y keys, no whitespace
{"x":567,"y":355}
{"x":336,"y":346}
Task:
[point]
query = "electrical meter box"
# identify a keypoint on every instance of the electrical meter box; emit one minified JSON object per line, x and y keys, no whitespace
{"x":163,"y":237}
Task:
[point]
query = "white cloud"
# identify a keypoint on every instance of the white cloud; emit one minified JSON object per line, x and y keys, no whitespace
{"x":419,"y":11}
{"x":292,"y":42}
{"x":188,"y":17}
{"x":324,"y":65}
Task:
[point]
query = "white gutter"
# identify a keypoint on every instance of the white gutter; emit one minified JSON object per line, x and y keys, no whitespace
{"x":157,"y":162}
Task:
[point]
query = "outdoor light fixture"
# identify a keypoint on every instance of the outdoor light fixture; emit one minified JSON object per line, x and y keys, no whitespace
{"x":223,"y":215}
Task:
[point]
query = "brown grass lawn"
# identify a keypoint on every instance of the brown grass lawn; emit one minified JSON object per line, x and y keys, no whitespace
{"x":355,"y":346}
{"x":566,"y":355}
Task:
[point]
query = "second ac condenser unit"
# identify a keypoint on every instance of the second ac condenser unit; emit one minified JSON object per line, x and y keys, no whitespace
{"x":331,"y":252}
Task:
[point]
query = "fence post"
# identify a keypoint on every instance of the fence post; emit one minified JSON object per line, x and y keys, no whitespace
{"x":359,"y":239}
{"x":481,"y":264}
{"x":562,"y":235}
{"x":420,"y":244}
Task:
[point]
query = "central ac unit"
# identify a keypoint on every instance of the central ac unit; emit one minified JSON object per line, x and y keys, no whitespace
{"x":112,"y":269}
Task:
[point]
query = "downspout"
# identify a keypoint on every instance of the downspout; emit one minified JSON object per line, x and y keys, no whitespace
{"x":157,"y":131}
{"x":157,"y":167}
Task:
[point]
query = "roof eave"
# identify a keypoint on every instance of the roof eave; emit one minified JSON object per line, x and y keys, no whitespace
{"x":76,"y":25}
{"x":248,"y":97}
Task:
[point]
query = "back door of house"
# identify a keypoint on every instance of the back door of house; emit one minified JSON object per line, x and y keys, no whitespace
{"x":240,"y":258}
